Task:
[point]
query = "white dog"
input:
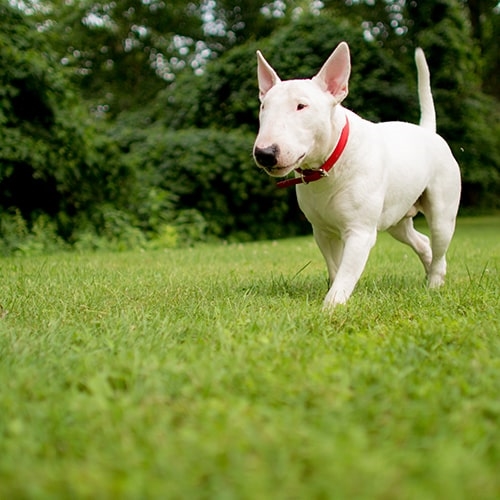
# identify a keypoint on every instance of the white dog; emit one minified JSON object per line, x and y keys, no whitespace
{"x":355,"y":177}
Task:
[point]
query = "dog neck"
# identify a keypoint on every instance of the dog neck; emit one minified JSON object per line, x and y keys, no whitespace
{"x":310,"y":175}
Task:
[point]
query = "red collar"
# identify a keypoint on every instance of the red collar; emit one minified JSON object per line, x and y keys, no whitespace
{"x":311,"y":175}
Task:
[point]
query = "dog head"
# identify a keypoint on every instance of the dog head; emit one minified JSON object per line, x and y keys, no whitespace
{"x":296,"y":125}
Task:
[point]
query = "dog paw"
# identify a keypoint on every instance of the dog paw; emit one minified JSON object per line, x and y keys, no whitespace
{"x":435,"y":281}
{"x":333,"y":300}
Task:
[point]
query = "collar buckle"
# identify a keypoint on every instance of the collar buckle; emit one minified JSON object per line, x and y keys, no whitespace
{"x":308,"y":176}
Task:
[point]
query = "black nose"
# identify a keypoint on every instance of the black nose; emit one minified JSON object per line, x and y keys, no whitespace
{"x":267,"y":157}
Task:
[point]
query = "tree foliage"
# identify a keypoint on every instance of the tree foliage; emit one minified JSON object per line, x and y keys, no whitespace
{"x":123,"y":52}
{"x":226,"y":95}
{"x":52,"y":160}
{"x":172,"y":93}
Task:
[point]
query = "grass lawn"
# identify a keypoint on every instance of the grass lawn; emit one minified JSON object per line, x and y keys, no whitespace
{"x":212,"y":373}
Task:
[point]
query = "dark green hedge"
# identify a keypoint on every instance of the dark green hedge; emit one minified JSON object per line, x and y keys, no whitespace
{"x":213,"y":172}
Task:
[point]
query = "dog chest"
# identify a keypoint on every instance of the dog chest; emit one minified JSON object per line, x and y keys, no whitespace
{"x":333,"y":209}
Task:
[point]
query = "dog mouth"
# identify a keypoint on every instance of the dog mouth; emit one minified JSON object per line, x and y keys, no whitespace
{"x":279,"y":171}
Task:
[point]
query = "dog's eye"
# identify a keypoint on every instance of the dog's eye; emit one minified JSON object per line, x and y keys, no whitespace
{"x":301,"y":106}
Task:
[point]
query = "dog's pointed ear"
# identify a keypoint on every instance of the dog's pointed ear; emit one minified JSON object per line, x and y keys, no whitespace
{"x":333,"y":77}
{"x":266,"y":75}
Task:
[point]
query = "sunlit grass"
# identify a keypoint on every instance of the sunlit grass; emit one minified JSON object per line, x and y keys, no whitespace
{"x":211,"y":372}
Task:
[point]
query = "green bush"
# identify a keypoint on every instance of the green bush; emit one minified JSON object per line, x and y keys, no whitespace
{"x":211,"y":173}
{"x":53,"y":159}
{"x":17,"y":237}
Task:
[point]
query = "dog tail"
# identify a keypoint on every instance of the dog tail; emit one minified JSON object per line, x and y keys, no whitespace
{"x":427,"y":111}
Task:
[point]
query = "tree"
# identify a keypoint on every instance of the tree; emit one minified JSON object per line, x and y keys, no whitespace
{"x":467,"y":118}
{"x":226,"y":95}
{"x":27,"y":114}
{"x":123,"y":52}
{"x":485,"y":22}
{"x":52,"y":160}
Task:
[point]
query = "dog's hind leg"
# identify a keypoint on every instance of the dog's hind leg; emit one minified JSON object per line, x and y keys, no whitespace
{"x":440,"y":206}
{"x":442,"y":230}
{"x":405,"y":232}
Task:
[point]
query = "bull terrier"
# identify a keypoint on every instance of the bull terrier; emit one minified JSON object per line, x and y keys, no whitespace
{"x":354,"y":177}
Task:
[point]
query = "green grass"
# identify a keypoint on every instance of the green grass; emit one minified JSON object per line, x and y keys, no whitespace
{"x":212,"y":373}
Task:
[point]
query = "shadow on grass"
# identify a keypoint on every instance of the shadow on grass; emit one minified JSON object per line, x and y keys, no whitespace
{"x":314,"y":287}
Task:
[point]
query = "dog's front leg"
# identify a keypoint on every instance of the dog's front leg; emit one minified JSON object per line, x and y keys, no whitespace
{"x":357,"y":246}
{"x":331,"y":248}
